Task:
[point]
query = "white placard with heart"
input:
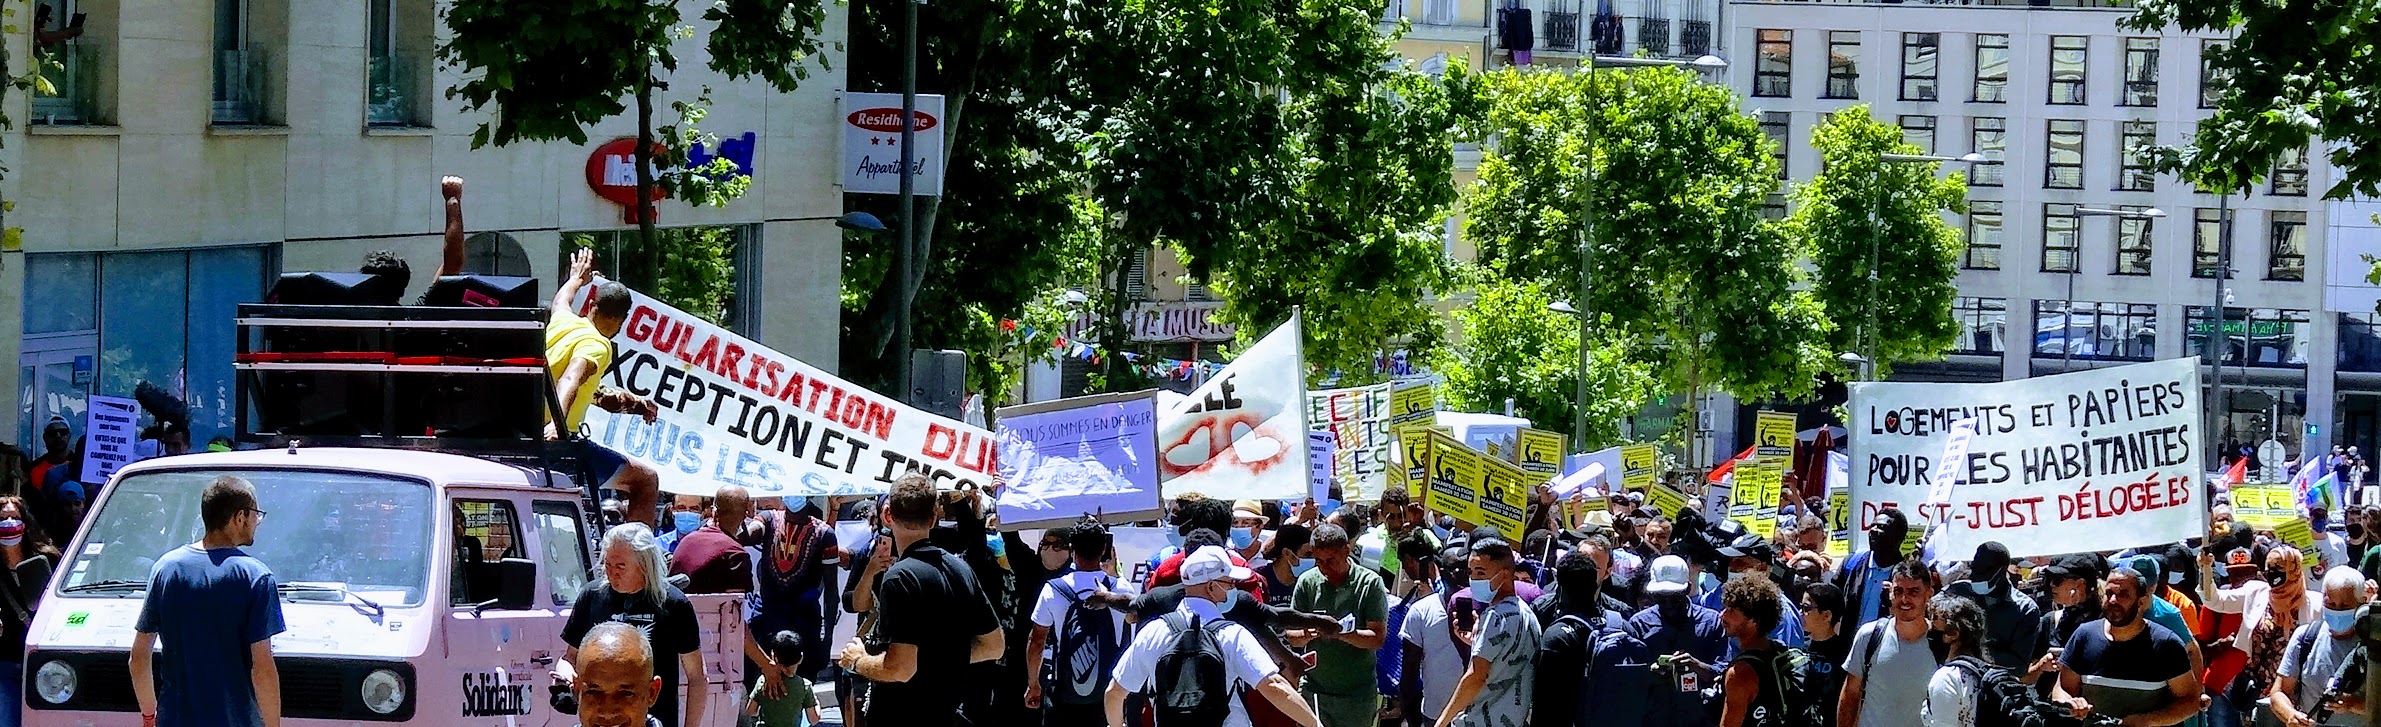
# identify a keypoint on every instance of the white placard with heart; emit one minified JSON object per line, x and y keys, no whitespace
{"x":1241,"y":435}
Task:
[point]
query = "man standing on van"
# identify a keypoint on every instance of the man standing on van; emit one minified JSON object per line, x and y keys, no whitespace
{"x":578,"y":351}
{"x":217,"y":610}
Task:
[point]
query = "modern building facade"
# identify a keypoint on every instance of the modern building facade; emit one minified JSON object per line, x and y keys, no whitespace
{"x":196,"y":149}
{"x":2060,"y":100}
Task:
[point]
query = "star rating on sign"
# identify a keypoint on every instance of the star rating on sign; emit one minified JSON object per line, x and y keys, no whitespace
{"x":877,"y":140}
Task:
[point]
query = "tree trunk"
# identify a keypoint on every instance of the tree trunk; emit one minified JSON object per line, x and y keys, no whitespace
{"x":647,"y":237}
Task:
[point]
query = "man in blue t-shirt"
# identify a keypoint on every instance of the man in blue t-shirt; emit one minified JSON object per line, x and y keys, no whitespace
{"x":2124,"y":666}
{"x":216,"y":609}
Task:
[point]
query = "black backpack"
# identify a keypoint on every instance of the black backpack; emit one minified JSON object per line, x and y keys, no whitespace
{"x":1618,"y":681}
{"x":1086,"y":650}
{"x":1193,"y":688}
{"x":2002,"y":701}
{"x":1788,"y":670}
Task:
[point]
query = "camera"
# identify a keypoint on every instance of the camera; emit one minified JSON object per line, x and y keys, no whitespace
{"x":563,"y":700}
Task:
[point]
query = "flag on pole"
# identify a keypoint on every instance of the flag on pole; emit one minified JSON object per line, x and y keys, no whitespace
{"x":2319,"y":493}
{"x":1726,"y":472}
{"x":1242,"y":435}
{"x":2306,"y":479}
{"x":2235,"y":475}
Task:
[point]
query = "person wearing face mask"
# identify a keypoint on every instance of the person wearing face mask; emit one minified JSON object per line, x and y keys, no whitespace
{"x":2329,"y":550}
{"x":793,"y":561}
{"x":1208,"y":578}
{"x":1248,"y":529}
{"x":1341,"y":685}
{"x":2288,"y":605}
{"x":1749,"y":556}
{"x":686,"y":516}
{"x":1676,"y":627}
{"x":2317,"y":655}
{"x":27,"y":552}
{"x":2011,"y":621}
{"x":1956,"y":626}
{"x":1436,"y":649}
{"x":1495,"y":689}
{"x":1286,"y":558}
{"x":1885,"y":677}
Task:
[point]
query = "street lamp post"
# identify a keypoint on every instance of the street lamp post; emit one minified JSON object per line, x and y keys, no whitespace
{"x":1876,"y":241}
{"x":2067,"y":315}
{"x":1583,"y":308}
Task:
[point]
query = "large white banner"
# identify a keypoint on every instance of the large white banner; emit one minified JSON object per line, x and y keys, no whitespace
{"x":1357,"y":420}
{"x":2088,"y":461}
{"x":735,"y":412}
{"x":1243,"y":433}
{"x":1065,"y":459}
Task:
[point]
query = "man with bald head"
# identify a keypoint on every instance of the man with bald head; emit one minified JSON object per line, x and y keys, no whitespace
{"x":614,"y":677}
{"x":710,"y":557}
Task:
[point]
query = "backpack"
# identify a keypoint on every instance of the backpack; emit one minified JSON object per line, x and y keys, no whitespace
{"x":1618,"y":682}
{"x":1788,"y":672}
{"x":1192,"y":688}
{"x":2002,"y":701}
{"x":1085,"y":651}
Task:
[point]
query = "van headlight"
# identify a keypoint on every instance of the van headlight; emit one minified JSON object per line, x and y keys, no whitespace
{"x":55,"y":681}
{"x":383,"y":691}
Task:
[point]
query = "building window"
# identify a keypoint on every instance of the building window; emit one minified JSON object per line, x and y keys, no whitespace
{"x":1983,"y":325}
{"x":1992,"y":68}
{"x":2066,"y":68}
{"x":2260,"y":337}
{"x":109,"y":321}
{"x":2063,"y":155}
{"x":2091,"y":331}
{"x":2060,"y":242}
{"x":2133,"y":156}
{"x":239,"y":66}
{"x":400,"y":39}
{"x":2207,"y":241}
{"x":1843,"y":64}
{"x":62,"y":37}
{"x":1919,"y":131}
{"x":1773,"y":207}
{"x":1773,"y":69}
{"x":1918,"y":65}
{"x":2141,"y":72}
{"x":1437,"y":12}
{"x":1136,"y":275}
{"x":2286,"y":257}
{"x":2133,"y":245}
{"x":1776,"y":125}
{"x":2290,"y":174}
{"x":1988,"y":136}
{"x":2211,"y":78}
{"x":1984,"y":235}
{"x":2360,"y":342}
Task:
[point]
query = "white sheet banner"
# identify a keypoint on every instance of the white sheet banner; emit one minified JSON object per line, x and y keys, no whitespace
{"x":1242,"y":435}
{"x":1357,"y":419}
{"x":2088,"y":461}
{"x":1092,"y":455}
{"x":735,"y":412}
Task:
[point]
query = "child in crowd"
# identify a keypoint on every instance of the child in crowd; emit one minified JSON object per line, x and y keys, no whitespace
{"x":799,"y":706}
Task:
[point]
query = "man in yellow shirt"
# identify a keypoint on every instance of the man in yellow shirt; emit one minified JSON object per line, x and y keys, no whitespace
{"x":578,"y":351}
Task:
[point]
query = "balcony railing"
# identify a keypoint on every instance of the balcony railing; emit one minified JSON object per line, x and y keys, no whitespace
{"x":240,"y":86}
{"x":388,"y":94}
{"x":1562,"y":26}
{"x":74,"y":84}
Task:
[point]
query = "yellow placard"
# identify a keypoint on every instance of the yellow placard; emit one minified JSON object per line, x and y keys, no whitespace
{"x":1773,"y":433}
{"x":1756,"y":487}
{"x":1454,"y":477}
{"x":1637,"y":463}
{"x":1839,"y":514}
{"x":1504,"y":498}
{"x":1665,"y":500}
{"x":2248,"y":505}
{"x":2297,"y":533}
{"x":1540,"y":453}
{"x":1412,"y":405}
{"x":1413,"y":452}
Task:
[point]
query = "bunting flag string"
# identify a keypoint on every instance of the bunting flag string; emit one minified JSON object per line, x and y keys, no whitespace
{"x":1023,"y":337}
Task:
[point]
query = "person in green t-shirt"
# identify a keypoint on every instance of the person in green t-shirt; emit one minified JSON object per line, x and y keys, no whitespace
{"x":1341,"y":684}
{"x":798,"y":706}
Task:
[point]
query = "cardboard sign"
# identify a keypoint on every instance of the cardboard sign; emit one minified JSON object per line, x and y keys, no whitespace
{"x":1094,"y":455}
{"x":1456,"y":472}
{"x":1665,"y":500}
{"x":1412,"y":404}
{"x":1241,"y":435}
{"x":1321,"y":459}
{"x":1637,"y":463}
{"x":735,"y":412}
{"x":1539,"y":453}
{"x":113,"y":425}
{"x":1413,"y":452}
{"x":2096,"y":460}
{"x":1358,"y":420}
{"x":1773,"y":435}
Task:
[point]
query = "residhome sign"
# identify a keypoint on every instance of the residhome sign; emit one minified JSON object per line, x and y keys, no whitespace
{"x":1168,"y":321}
{"x":872,"y":144}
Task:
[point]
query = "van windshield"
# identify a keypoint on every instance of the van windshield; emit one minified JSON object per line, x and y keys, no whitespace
{"x":364,"y":534}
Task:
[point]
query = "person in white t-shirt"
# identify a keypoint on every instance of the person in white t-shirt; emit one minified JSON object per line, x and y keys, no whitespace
{"x":1208,"y":579}
{"x":1433,"y":658}
{"x":1076,"y":690}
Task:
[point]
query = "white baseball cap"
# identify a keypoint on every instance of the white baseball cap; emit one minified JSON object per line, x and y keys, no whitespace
{"x":1669,"y":575}
{"x":1210,"y":563}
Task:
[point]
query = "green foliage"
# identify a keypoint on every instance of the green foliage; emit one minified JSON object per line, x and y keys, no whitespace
{"x":1861,"y":208}
{"x":772,"y":39}
{"x":1685,"y":266}
{"x":2300,"y":75}
{"x":1512,"y":348}
{"x":551,"y":68}
{"x":697,"y":274}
